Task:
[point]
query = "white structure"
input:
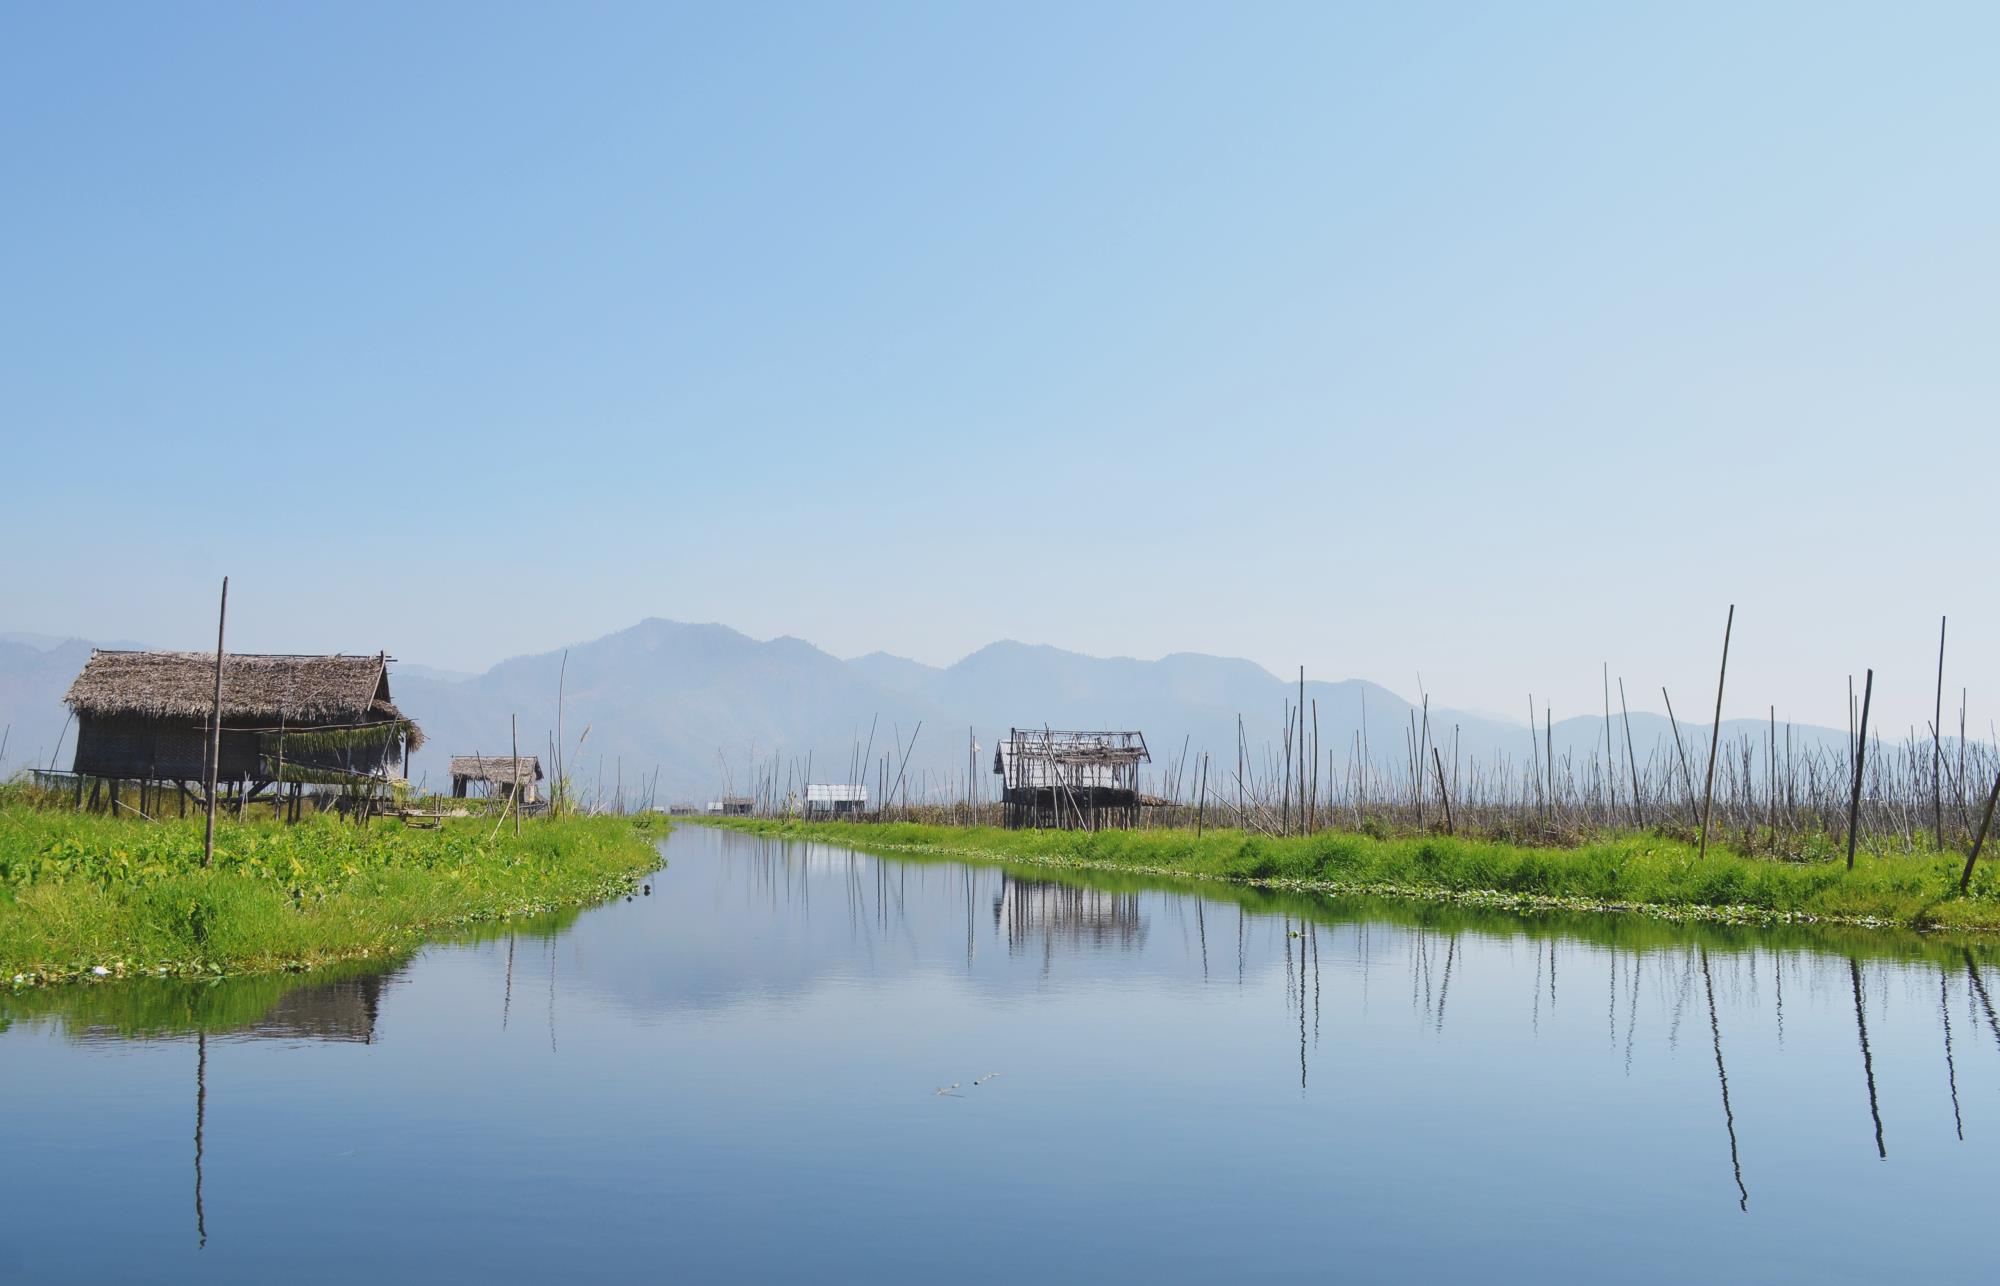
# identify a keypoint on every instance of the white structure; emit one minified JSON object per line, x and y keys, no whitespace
{"x":829,"y":799}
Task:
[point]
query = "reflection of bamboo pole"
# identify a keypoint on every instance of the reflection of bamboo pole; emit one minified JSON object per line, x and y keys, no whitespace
{"x":1950,"y":1069}
{"x":1867,"y":1057}
{"x":200,"y":1120}
{"x":1722,"y":1078}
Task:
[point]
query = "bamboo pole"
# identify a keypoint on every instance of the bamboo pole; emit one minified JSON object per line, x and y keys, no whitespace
{"x":1715,"y":732}
{"x":1449,"y":828}
{"x":1860,"y":756}
{"x":1937,"y":744}
{"x":1965,"y":880}
{"x":215,"y":732}
{"x":1631,"y":759}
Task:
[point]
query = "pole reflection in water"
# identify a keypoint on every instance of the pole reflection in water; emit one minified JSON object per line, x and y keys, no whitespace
{"x":804,"y":1046}
{"x":1048,"y":920}
{"x":1867,"y":1057}
{"x":200,"y":1121}
{"x":1722,"y":1078}
{"x":1950,"y":1069}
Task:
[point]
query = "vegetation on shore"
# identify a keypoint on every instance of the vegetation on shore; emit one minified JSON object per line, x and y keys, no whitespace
{"x":1647,"y":873}
{"x":90,"y":896}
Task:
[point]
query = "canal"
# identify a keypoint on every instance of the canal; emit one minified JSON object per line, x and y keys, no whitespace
{"x":791,"y":1061}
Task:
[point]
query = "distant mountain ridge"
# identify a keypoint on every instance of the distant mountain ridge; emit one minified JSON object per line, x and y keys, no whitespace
{"x":704,"y":706}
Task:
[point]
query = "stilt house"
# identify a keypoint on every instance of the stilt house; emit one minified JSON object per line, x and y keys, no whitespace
{"x":495,"y":777}
{"x":1070,"y":780}
{"x":144,"y":716}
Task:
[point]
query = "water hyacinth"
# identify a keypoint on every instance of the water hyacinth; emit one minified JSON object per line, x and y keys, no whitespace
{"x":74,"y":888}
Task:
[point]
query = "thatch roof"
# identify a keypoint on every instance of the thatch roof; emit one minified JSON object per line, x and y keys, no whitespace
{"x":500,"y":769}
{"x":299,"y":692}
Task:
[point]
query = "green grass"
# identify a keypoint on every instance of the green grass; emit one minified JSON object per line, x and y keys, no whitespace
{"x":89,"y":896}
{"x":1646,"y":873}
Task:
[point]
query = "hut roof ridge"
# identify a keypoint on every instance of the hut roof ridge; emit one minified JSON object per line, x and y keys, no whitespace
{"x":296,"y":688}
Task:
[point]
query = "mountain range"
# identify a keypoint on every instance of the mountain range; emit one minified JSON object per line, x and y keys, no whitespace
{"x":708,"y":709}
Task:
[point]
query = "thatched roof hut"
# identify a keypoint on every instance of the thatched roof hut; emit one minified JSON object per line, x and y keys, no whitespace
{"x":300,"y":718}
{"x":497,"y":774}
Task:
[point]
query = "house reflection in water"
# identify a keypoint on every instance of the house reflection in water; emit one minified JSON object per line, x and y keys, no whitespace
{"x":344,"y":1010}
{"x":1043,"y":912}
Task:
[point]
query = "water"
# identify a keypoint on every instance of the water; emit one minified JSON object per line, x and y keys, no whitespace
{"x":736,"y":1079}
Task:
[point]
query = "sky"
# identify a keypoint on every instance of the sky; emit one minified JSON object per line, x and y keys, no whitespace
{"x":1495,"y":344}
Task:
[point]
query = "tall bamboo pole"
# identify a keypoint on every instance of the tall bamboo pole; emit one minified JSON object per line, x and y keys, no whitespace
{"x":215,"y":732}
{"x":1715,"y":731}
{"x":1860,"y":756}
{"x":1937,"y":745}
{"x":1993,"y":796}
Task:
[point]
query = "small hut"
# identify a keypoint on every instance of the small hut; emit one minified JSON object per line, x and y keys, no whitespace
{"x":144,"y":716}
{"x":827,"y":799}
{"x":731,"y":806}
{"x":495,"y":776}
{"x":1070,"y":780}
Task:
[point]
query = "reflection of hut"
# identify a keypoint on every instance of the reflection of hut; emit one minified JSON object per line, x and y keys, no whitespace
{"x":1067,"y":915}
{"x":826,"y":799}
{"x":1086,"y":780}
{"x":495,"y":776}
{"x":730,"y":806}
{"x":344,"y":1010}
{"x":144,"y":716}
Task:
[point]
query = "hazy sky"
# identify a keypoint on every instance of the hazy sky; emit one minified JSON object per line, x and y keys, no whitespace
{"x":1489,"y":341}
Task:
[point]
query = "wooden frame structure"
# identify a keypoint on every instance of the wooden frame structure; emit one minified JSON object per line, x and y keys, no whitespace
{"x":1070,"y":780}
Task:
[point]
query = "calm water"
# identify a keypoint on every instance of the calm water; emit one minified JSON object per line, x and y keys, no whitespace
{"x":736,"y":1079}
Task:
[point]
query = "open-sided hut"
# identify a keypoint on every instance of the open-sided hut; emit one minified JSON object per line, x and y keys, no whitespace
{"x":144,"y":716}
{"x":826,"y":799}
{"x":1071,"y":780}
{"x":495,"y":776}
{"x":731,"y":806}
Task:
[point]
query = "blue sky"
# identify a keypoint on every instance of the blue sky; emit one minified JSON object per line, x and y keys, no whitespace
{"x":1492,"y":342}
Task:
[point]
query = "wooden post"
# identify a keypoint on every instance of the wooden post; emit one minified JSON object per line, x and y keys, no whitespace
{"x":1631,"y":759}
{"x":1860,"y":756}
{"x":215,"y":732}
{"x":1937,"y":745}
{"x":1965,"y":880}
{"x":1442,"y":793}
{"x":1979,"y":843}
{"x":1715,"y":733}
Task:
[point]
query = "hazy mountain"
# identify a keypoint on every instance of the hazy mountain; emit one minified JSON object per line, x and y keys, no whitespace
{"x":707,"y":707}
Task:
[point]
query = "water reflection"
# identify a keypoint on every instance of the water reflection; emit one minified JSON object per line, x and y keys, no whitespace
{"x":1077,"y":927}
{"x":777,"y":1019}
{"x":1051,"y":914}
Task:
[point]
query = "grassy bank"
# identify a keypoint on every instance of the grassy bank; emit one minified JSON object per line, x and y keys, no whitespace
{"x":1644,"y":873}
{"x":84,"y":896}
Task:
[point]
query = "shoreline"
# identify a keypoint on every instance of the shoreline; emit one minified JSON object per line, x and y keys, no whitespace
{"x":115,"y":899}
{"x":1977,"y":916}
